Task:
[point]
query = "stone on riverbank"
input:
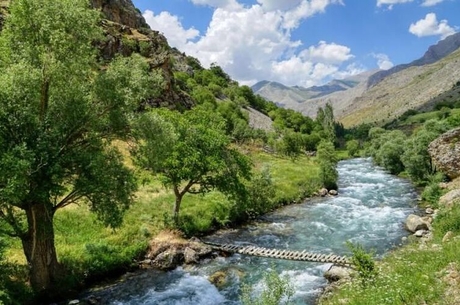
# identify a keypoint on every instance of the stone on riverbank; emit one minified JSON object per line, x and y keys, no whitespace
{"x":169,"y":250}
{"x":415,"y":223}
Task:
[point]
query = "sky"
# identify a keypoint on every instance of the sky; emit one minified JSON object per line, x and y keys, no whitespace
{"x":302,"y":42}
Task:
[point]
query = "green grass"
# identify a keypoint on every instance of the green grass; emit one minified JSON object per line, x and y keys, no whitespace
{"x":415,"y":274}
{"x":90,"y":249}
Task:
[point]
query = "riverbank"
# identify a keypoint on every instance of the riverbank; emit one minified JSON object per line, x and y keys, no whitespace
{"x":93,"y":253}
{"x":423,"y":271}
{"x":319,"y":225}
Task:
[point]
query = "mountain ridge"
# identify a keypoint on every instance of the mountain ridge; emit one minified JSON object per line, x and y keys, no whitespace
{"x":384,"y":94}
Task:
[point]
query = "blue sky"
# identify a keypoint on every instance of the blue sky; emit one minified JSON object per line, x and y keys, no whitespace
{"x":302,"y":42}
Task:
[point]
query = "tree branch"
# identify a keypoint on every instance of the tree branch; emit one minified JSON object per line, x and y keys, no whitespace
{"x":67,"y":200}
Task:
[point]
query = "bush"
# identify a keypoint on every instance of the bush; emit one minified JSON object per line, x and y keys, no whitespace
{"x":353,"y":148}
{"x":277,"y":291}
{"x":327,"y":163}
{"x":363,"y":262}
{"x":433,"y":191}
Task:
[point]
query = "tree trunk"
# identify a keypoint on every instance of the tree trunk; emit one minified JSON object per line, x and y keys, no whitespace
{"x":177,"y":208}
{"x":39,"y":249}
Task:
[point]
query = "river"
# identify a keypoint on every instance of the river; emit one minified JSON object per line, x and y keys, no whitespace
{"x":370,"y":210}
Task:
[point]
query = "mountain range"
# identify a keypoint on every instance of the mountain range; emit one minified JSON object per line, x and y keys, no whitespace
{"x":378,"y":96}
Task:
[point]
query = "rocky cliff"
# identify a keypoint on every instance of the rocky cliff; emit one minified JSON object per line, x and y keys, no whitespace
{"x":445,"y":153}
{"x":121,"y":11}
{"x":127,"y":32}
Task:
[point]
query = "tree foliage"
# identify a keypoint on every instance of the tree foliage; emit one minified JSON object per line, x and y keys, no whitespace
{"x":191,"y":152}
{"x":327,"y":162}
{"x":58,"y":115}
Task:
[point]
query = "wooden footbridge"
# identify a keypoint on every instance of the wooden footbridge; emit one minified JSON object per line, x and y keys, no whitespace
{"x":281,"y":254}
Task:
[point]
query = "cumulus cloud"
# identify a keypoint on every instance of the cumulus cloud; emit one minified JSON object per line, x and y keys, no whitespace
{"x":430,"y":26}
{"x":327,"y":53}
{"x":304,"y":10}
{"x":171,"y":27}
{"x":390,"y":3}
{"x":431,"y":2}
{"x":254,"y":42}
{"x":271,"y":5}
{"x":229,"y":4}
{"x":383,"y":61}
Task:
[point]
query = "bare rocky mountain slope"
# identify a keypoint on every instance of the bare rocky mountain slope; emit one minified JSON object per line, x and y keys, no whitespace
{"x":381,"y":96}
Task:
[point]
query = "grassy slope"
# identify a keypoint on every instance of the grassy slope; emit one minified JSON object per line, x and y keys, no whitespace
{"x":82,"y":242}
{"x":415,"y":274}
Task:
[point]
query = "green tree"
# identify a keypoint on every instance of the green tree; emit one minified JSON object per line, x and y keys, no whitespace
{"x":325,"y":118}
{"x":191,"y":152}
{"x":416,"y":159}
{"x":353,"y":147}
{"x":327,"y":164}
{"x":391,"y":150}
{"x":58,"y":115}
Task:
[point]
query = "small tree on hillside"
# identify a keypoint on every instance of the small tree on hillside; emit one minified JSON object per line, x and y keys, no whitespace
{"x":191,"y":153}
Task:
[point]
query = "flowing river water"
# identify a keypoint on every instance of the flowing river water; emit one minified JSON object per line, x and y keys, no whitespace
{"x":369,"y":210}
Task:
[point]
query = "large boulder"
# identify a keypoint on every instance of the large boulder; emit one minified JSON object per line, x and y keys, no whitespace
{"x":415,"y":223}
{"x":445,"y":153}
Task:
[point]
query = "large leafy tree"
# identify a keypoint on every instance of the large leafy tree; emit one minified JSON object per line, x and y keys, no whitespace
{"x":191,"y":152}
{"x":58,"y":114}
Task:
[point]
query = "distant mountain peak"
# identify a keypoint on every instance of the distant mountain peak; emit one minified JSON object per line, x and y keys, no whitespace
{"x":434,"y":53}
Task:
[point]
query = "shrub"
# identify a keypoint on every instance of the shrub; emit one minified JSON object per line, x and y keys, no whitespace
{"x":327,"y":162}
{"x":353,"y":148}
{"x":433,"y":191}
{"x":277,"y":291}
{"x":363,"y":262}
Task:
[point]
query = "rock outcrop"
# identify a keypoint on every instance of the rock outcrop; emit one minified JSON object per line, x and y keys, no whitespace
{"x":169,"y":250}
{"x":445,"y":153}
{"x":121,"y":11}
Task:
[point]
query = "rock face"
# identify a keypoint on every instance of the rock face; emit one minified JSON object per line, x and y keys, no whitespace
{"x":445,"y":153}
{"x":121,"y":11}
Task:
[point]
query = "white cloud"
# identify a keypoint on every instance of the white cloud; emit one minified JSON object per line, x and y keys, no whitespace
{"x":229,"y":4}
{"x":431,"y":27}
{"x":383,"y":61}
{"x":327,"y":53}
{"x":272,"y":5}
{"x":305,"y":10}
{"x":171,"y":27}
{"x":390,"y":3}
{"x":431,"y":2}
{"x":254,"y":42}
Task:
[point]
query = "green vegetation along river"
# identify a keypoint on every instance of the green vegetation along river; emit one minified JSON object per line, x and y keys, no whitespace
{"x":369,"y":210}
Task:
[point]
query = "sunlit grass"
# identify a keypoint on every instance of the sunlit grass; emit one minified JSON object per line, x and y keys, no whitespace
{"x":415,"y":274}
{"x":88,"y":247}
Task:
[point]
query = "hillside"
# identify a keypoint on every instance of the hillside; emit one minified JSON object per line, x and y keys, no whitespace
{"x":294,"y":97}
{"x":413,"y":88}
{"x":379,"y":97}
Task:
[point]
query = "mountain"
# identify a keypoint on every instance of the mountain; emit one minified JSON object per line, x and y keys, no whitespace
{"x":434,"y":53}
{"x":380,"y":96}
{"x":296,"y":97}
{"x":292,"y":97}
